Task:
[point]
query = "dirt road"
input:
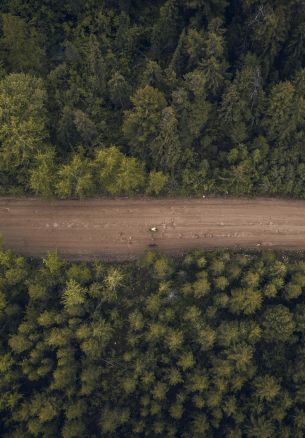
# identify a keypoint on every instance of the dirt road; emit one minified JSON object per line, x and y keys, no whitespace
{"x":118,"y":229}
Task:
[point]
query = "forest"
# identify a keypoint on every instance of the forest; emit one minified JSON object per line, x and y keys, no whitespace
{"x":208,"y":345}
{"x":119,"y":97}
{"x":163,"y":97}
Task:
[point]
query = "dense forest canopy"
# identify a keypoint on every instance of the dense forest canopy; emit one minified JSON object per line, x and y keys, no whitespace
{"x":212,"y":345}
{"x":166,"y":96}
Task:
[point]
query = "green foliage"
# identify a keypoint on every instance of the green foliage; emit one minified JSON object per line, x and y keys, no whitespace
{"x":43,"y":174}
{"x":22,"y":119}
{"x":277,"y":324}
{"x":156,"y":183}
{"x":285,"y":113}
{"x":53,"y":262}
{"x":123,"y":349}
{"x":22,"y":45}
{"x":163,"y":267}
{"x":75,"y":179}
{"x":74,"y":294}
{"x":117,"y":174}
{"x":142,"y":124}
{"x":165,"y":149}
{"x":210,"y":93}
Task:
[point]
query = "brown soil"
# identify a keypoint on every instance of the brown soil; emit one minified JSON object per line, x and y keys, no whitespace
{"x":118,"y":229}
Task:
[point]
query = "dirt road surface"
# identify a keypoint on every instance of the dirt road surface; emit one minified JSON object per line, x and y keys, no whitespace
{"x":119,"y":229}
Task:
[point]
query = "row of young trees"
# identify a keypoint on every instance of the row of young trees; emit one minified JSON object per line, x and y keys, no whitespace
{"x":109,"y":173}
{"x":210,"y":93}
{"x":211,"y":345}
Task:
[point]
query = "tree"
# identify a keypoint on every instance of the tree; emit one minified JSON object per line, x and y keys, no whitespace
{"x":243,"y":102}
{"x":266,"y":388}
{"x":22,"y":118}
{"x":163,"y":267}
{"x":111,"y":419}
{"x":192,"y":107}
{"x":293,"y":290}
{"x":201,"y":287}
{"x":119,"y":90}
{"x":117,"y":174}
{"x":85,"y":127}
{"x":74,"y":295}
{"x":174,"y":340}
{"x":241,"y":355}
{"x":43,"y":174}
{"x":22,"y":44}
{"x":166,"y":150}
{"x":156,"y":182}
{"x":153,"y":75}
{"x":142,"y":124}
{"x":75,"y":179}
{"x":79,"y":272}
{"x":186,"y":361}
{"x":217,"y":266}
{"x":214,"y":62}
{"x":268,"y":30}
{"x":37,"y":291}
{"x":231,"y":113}
{"x":73,"y":428}
{"x":114,"y":279}
{"x":260,"y":427}
{"x":278,"y":324}
{"x":221,"y":282}
{"x":53,"y":263}
{"x":284,"y":114}
{"x":251,"y":279}
{"x":165,"y":30}
{"x":247,"y":301}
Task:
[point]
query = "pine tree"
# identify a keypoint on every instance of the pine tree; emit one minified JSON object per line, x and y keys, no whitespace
{"x":22,"y":116}
{"x":166,"y":150}
{"x":278,"y":324}
{"x":75,"y":179}
{"x":142,"y":124}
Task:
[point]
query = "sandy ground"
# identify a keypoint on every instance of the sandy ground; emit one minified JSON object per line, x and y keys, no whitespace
{"x":118,"y":229}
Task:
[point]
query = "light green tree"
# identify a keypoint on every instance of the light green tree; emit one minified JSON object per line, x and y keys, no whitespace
{"x":117,"y":174}
{"x":278,"y":324}
{"x":22,"y":124}
{"x":43,"y":174}
{"x":74,"y":295}
{"x":246,"y":301}
{"x":75,"y":179}
{"x":156,"y":182}
{"x":114,"y":279}
{"x":163,"y":267}
{"x":201,"y":287}
{"x":53,"y":262}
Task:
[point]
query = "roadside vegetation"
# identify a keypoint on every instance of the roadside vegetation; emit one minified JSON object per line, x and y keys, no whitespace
{"x":209,"y":345}
{"x":170,"y":96}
